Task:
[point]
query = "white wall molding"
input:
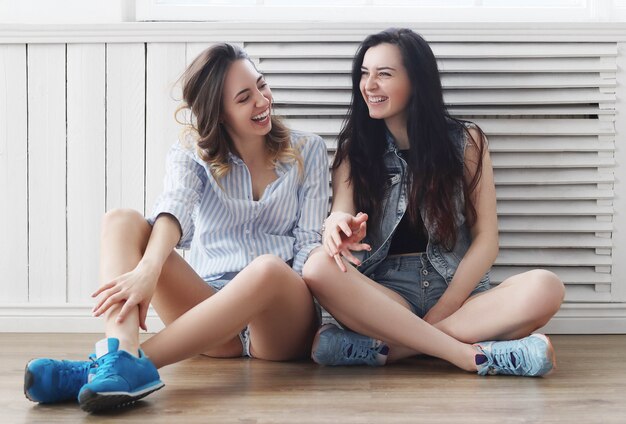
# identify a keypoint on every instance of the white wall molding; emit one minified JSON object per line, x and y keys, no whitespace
{"x":306,"y":31}
{"x":573,"y":318}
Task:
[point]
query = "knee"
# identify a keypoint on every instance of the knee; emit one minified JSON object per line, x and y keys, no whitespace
{"x":121,"y":218}
{"x":545,"y":288}
{"x":318,"y":269}
{"x":267,"y":271}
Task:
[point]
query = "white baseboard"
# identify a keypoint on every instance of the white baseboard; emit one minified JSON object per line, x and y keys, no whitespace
{"x":573,"y":318}
{"x":64,"y":318}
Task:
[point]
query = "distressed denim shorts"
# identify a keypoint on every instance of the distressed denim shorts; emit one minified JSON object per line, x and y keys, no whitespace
{"x":244,"y":335}
{"x":415,"y":279}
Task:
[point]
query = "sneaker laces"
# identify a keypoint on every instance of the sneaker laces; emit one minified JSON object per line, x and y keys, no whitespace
{"x":359,"y":349}
{"x":507,"y":359}
{"x":106,"y":365}
{"x":72,"y":376}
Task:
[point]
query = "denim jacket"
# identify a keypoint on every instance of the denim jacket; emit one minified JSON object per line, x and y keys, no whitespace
{"x":394,"y":205}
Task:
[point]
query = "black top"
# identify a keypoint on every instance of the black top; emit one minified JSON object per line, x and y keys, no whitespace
{"x":408,"y":238}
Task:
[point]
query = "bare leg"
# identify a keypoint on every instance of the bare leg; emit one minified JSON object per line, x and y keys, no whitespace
{"x":125,"y":234}
{"x":518,"y":306}
{"x":514,"y":309}
{"x":267,"y":294}
{"x":352,"y":299}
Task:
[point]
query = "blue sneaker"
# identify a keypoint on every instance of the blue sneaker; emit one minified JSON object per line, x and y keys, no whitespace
{"x":532,"y":356}
{"x":50,"y":380}
{"x":341,"y":347}
{"x":120,"y":378}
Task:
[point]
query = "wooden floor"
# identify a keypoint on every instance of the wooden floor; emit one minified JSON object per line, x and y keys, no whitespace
{"x":589,"y":386}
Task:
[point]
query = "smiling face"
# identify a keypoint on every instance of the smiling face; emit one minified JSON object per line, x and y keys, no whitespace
{"x":246,"y":102}
{"x":385,"y":84}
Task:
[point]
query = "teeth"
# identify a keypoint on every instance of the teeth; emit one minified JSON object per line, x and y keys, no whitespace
{"x":261,"y":116}
{"x":376,"y":99}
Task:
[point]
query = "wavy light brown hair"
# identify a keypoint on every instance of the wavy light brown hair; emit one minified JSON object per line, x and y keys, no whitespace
{"x":203,"y":86}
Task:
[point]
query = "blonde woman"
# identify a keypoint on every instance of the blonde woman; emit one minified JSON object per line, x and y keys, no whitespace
{"x":248,"y":196}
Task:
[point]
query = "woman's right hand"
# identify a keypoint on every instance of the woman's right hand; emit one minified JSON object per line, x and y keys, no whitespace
{"x":135,"y":288}
{"x":343,"y":233}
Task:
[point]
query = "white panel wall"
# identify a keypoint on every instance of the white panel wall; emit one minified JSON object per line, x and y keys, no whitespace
{"x":85,"y":127}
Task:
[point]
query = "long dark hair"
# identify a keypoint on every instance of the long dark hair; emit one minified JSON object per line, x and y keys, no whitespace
{"x":435,"y":167}
{"x":203,"y":86}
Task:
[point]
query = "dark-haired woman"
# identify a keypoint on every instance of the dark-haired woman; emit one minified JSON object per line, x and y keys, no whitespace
{"x":422,"y":184}
{"x":249,"y":196}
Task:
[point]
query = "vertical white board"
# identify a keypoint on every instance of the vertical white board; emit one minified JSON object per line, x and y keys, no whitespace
{"x":47,"y":173}
{"x":85,"y":166}
{"x":13,"y":174}
{"x":125,"y":118}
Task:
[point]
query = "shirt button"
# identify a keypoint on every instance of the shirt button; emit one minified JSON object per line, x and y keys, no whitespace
{"x":424,"y":272}
{"x":425,"y":284}
{"x":247,"y":231}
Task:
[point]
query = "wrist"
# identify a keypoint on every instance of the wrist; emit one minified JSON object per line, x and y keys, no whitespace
{"x":328,"y":218}
{"x":452,"y":300}
{"x":149,"y":266}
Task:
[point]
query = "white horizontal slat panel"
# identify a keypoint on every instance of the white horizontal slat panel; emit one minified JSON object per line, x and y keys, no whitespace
{"x":503,"y":50}
{"x":552,"y":224}
{"x":569,"y":275}
{"x":47,"y":173}
{"x":527,"y":96}
{"x":526,"y":127}
{"x":548,"y":110}
{"x":165,"y":63}
{"x":531,"y":80}
{"x":564,"y":110}
{"x":556,"y":240}
{"x":13,"y":174}
{"x":549,"y":144}
{"x":125,"y":120}
{"x":549,"y":176}
{"x":574,"y":192}
{"x":558,"y":208}
{"x":551,"y":160}
{"x":552,"y":257}
{"x":522,"y":65}
{"x":85,"y":166}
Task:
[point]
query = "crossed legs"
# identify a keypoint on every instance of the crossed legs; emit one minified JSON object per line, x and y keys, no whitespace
{"x":514,"y":309}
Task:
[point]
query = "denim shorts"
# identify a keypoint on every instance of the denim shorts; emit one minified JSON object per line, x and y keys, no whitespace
{"x":244,"y":335}
{"x":415,"y":279}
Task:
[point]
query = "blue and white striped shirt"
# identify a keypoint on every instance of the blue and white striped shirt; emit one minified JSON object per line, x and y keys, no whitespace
{"x":226,"y":228}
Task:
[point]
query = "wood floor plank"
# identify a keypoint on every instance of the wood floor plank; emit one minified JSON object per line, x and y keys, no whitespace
{"x":587,"y":387}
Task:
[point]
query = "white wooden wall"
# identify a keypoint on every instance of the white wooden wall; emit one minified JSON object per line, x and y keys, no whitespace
{"x":86,"y":117}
